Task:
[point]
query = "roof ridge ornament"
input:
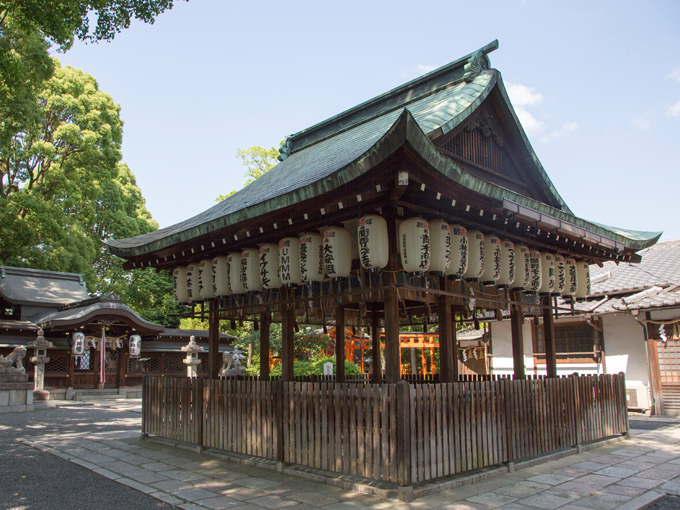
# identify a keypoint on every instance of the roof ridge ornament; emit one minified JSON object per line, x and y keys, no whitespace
{"x":285,"y":148}
{"x":479,"y":61}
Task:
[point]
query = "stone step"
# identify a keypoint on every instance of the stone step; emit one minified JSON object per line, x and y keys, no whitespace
{"x":108,"y":391}
{"x":98,"y":397}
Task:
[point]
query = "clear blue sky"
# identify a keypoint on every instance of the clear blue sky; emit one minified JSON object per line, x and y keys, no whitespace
{"x":596,"y":84}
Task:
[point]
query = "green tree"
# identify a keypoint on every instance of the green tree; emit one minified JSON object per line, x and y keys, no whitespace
{"x":63,"y":189}
{"x":62,"y":21}
{"x":258,"y":161}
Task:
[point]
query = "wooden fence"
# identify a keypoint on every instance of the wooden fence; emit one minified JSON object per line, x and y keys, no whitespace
{"x":403,"y":433}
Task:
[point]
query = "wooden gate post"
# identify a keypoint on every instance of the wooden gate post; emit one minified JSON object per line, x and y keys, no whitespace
{"x":517,"y":331}
{"x":549,"y":339}
{"x":279,"y":396}
{"x":403,"y":433}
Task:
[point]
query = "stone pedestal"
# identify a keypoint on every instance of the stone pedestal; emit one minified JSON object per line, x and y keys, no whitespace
{"x":16,"y":396}
{"x":15,"y":391}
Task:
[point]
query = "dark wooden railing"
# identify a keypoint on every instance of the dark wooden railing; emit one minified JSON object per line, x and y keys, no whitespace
{"x":404,"y":433}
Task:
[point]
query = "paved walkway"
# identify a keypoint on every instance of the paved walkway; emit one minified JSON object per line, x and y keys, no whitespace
{"x":625,"y":475}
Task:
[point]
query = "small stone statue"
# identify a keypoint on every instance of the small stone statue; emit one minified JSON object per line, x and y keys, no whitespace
{"x":232,"y":363}
{"x":12,"y":363}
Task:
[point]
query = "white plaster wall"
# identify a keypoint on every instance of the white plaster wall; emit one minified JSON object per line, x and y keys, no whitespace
{"x":501,"y":340}
{"x":625,"y":351}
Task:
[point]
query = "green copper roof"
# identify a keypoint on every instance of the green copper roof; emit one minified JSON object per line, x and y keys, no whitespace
{"x":334,"y":152}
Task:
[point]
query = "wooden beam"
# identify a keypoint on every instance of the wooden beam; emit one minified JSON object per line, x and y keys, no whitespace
{"x":517,"y":332}
{"x":214,"y":342}
{"x":448,"y":365}
{"x":549,"y":339}
{"x":264,"y":346}
{"x":340,"y":344}
{"x":376,"y":366}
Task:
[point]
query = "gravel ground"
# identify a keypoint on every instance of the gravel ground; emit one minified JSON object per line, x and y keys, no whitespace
{"x":666,"y":503}
{"x":35,"y":480}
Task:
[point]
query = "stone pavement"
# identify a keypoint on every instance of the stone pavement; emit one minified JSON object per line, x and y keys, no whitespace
{"x":626,"y":475}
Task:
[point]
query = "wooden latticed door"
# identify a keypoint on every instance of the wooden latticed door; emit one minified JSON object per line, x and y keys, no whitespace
{"x":86,"y":369}
{"x":667,"y":357}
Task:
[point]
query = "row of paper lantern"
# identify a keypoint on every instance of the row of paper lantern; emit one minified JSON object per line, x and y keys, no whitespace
{"x":433,"y":246}
{"x":78,"y":345}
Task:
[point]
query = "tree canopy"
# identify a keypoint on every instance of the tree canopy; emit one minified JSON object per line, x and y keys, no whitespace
{"x":64,"y":190}
{"x":62,"y":21}
{"x":258,"y":161}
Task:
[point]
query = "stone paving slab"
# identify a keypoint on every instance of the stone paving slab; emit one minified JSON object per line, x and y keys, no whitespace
{"x":616,"y":476}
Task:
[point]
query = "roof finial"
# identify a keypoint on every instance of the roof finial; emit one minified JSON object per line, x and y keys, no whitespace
{"x":285,"y":149}
{"x":479,"y":61}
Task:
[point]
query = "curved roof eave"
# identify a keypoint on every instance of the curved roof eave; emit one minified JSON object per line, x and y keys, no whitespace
{"x":475,"y":93}
{"x":81,"y":316}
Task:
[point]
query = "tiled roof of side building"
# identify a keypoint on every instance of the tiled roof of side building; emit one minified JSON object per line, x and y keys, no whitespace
{"x":35,"y":287}
{"x":654,"y":282}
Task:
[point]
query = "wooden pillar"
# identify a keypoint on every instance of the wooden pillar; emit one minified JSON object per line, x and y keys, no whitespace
{"x":340,"y":344}
{"x":376,"y":367}
{"x":214,"y":342}
{"x":549,"y":339}
{"x":392,"y":347}
{"x":264,"y":346}
{"x":287,"y":341}
{"x":71,"y":369}
{"x":517,"y":331}
{"x":448,"y":363}
{"x":121,"y":366}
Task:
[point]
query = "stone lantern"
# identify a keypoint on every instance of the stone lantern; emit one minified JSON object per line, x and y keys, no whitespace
{"x":39,"y":359}
{"x":191,"y":361}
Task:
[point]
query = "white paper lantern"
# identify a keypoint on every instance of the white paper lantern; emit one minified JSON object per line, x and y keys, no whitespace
{"x":269,"y":266}
{"x":221,"y":276}
{"x":547,"y":273}
{"x":135,"y":346}
{"x":234,"y":272}
{"x":571,"y":277}
{"x":337,"y":252}
{"x":492,"y":260}
{"x":459,"y":252}
{"x":414,"y":245}
{"x":311,"y":257}
{"x":373,"y":242}
{"x":205,"y":277}
{"x":476,"y":257}
{"x":250,"y":270}
{"x":289,"y":261}
{"x":535,"y":272}
{"x":440,"y":246}
{"x":507,"y":264}
{"x":352,"y":227}
{"x":192,"y":282}
{"x":78,"y":344}
{"x":522,"y":270}
{"x":179,"y":283}
{"x":583,"y":277}
{"x":560,"y":276}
